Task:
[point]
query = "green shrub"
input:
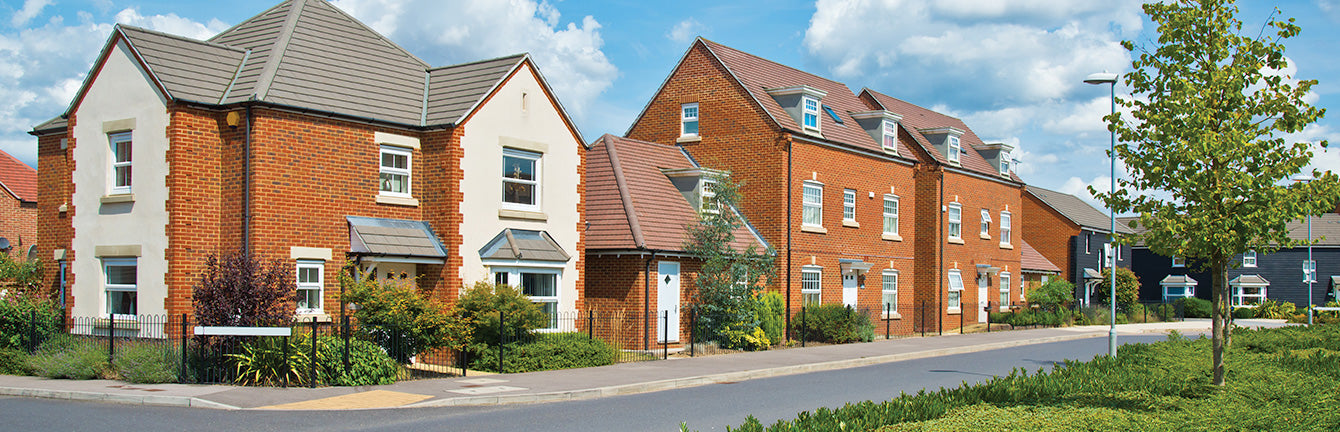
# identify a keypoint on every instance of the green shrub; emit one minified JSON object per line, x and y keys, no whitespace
{"x":73,"y":357}
{"x":401,"y":320}
{"x":771,"y":311}
{"x":546,"y":351}
{"x":1032,"y":317}
{"x":479,"y":309}
{"x":834,"y":323}
{"x":755,"y":340}
{"x":14,"y":362}
{"x":1244,"y":313}
{"x":147,"y":363}
{"x":262,"y":362}
{"x":16,"y":319}
{"x":1193,"y":307}
{"x":368,"y":363}
{"x":1271,"y":309}
{"x":1054,"y":294}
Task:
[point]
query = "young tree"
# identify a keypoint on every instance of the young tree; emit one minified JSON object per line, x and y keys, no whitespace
{"x":1128,"y":287}
{"x":1204,"y":143}
{"x":730,"y":278}
{"x":238,"y":290}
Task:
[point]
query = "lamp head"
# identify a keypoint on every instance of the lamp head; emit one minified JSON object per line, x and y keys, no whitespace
{"x":1101,"y":78}
{"x":1302,"y":178}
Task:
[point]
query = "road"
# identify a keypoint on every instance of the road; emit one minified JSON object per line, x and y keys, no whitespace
{"x":706,"y":408}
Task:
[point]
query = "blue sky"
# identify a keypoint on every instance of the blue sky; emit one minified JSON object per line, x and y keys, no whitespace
{"x":1012,"y":69}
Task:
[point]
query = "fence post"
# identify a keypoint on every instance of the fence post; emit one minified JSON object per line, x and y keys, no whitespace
{"x":345,"y":331}
{"x":500,"y":341}
{"x":590,"y":324}
{"x":311,"y":362}
{"x":804,"y":327}
{"x":960,"y":316}
{"x":111,"y":337}
{"x":887,"y":308}
{"x":665,"y":336}
{"x":693,"y":329}
{"x":988,"y":316}
{"x":181,"y":377}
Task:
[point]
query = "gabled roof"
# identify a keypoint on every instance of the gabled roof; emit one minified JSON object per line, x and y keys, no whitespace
{"x":1077,"y":211}
{"x":393,"y":237}
{"x":310,"y":55}
{"x":17,"y":178}
{"x":916,"y":119}
{"x":631,"y":203}
{"x":1325,"y":229}
{"x":519,"y":244}
{"x":1031,"y":259}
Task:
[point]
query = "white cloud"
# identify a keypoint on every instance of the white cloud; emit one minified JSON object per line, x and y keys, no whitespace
{"x":171,"y":23}
{"x":30,"y":10}
{"x":685,"y":31}
{"x":455,"y":31}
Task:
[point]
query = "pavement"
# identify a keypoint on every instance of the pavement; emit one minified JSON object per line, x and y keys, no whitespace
{"x":574,"y":384}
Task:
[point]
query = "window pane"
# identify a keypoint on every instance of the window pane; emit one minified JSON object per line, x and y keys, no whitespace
{"x":500,"y":278}
{"x":953,"y":299}
{"x":849,"y":204}
{"x":123,"y":151}
{"x":309,"y":299}
{"x":518,"y":168}
{"x":397,"y":183}
{"x":121,"y":275}
{"x":121,"y":302}
{"x":519,"y":193}
{"x":539,"y":284}
{"x":309,"y":275}
{"x":690,"y":127}
{"x":122,"y":176}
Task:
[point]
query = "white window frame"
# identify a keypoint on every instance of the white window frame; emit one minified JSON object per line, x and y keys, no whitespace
{"x":954,"y":301}
{"x":1087,"y":236}
{"x":706,"y":194}
{"x":986,"y":224}
{"x":890,"y":136}
{"x":849,"y":205}
{"x":115,"y":140}
{"x":1004,"y":163}
{"x":889,"y":288}
{"x":811,"y":286}
{"x":407,"y":171}
{"x":109,"y":288}
{"x":891,"y":218}
{"x":1005,"y":290}
{"x":809,"y":108}
{"x":955,"y":147}
{"x":689,"y":113}
{"x":807,"y":204}
{"x":1311,"y":275}
{"x":514,"y":278}
{"x":955,"y":229}
{"x":1006,"y":228}
{"x":1238,"y":296}
{"x":319,"y":286}
{"x":1249,"y":258}
{"x":1178,"y":262}
{"x":1187,"y":291}
{"x":537,"y":159}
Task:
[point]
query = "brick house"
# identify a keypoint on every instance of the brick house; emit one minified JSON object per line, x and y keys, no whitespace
{"x":1073,"y":234}
{"x":303,"y":135}
{"x":641,"y":199}
{"x":18,"y":206}
{"x":1037,"y":269}
{"x":830,"y":179}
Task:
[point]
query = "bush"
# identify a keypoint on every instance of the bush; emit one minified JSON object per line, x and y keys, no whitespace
{"x":368,"y":363}
{"x":73,"y":357}
{"x":1271,"y":309}
{"x":14,"y":362}
{"x":262,"y":362}
{"x":1053,"y":294}
{"x":835,"y":323}
{"x":480,"y":305}
{"x":397,"y":318}
{"x":1128,"y":287}
{"x":771,"y":311}
{"x":755,"y":340}
{"x":545,"y":352}
{"x":147,"y":363}
{"x":1194,"y":307}
{"x":238,"y":290}
{"x":1244,"y":313}
{"x":1033,"y":317}
{"x":16,"y":319}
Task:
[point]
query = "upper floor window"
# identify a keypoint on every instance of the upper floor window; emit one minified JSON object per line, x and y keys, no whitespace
{"x":521,"y":179}
{"x":848,"y":205}
{"x":1005,"y":228}
{"x":812,"y":212}
{"x":986,"y":223}
{"x":890,"y":135}
{"x":121,"y":162}
{"x":707,"y":194}
{"x":810,"y":112}
{"x":954,"y":148}
{"x":1249,"y":258}
{"x":310,"y":275}
{"x":396,"y":170}
{"x":890,"y":214}
{"x":1178,"y":261}
{"x":1004,"y":163}
{"x":955,"y":221}
{"x":688,"y":119}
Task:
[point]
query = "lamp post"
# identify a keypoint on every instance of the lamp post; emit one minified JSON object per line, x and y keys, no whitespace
{"x":1309,"y":267}
{"x":1111,"y":80}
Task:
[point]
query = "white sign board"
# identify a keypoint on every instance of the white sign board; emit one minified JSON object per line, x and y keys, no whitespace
{"x":243,"y":331}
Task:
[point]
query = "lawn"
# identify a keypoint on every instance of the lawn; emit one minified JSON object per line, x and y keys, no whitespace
{"x":1279,"y":379}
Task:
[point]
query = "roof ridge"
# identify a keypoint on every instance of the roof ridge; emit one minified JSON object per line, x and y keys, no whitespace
{"x":249,"y":20}
{"x":878,"y":93}
{"x":267,"y":76}
{"x":634,"y":225}
{"x":518,"y":55}
{"x":707,"y":41}
{"x":181,"y":38}
{"x":379,"y":35}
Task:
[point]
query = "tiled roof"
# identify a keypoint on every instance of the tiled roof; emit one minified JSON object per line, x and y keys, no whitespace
{"x":1078,"y":211}
{"x":916,"y":118}
{"x":757,"y":75}
{"x":519,"y":244}
{"x":632,"y":204}
{"x":1030,"y":259}
{"x":395,"y":237}
{"x":18,"y":178}
{"x":309,"y":54}
{"x":1325,"y":229}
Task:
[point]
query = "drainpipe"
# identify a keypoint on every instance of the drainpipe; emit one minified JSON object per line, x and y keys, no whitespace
{"x":62,"y":285}
{"x":646,"y":302}
{"x":939,"y":232}
{"x":789,"y":210}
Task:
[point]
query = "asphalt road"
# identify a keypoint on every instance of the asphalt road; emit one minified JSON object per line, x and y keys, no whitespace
{"x":704,"y":408}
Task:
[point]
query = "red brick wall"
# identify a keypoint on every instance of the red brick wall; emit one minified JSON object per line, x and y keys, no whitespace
{"x":1049,"y":233}
{"x":18,"y":224}
{"x":54,"y":186}
{"x":615,"y":293}
{"x":976,"y":194}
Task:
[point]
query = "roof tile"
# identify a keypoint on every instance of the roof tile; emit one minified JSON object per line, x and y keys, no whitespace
{"x":18,"y":178}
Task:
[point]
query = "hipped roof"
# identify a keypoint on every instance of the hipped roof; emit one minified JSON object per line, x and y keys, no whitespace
{"x":1031,"y":259}
{"x":632,"y":204}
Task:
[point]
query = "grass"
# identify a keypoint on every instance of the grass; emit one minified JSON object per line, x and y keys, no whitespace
{"x":1279,"y":379}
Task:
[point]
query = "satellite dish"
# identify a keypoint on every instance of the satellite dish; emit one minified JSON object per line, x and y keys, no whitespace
{"x":4,"y":244}
{"x":32,"y":253}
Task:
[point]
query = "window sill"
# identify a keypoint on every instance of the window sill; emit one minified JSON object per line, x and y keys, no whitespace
{"x":956,"y":240}
{"x":1005,"y":309}
{"x":984,"y":236}
{"x":813,"y":229}
{"x":689,"y":139}
{"x":306,"y":317}
{"x":395,"y":200}
{"x":892,"y":237}
{"x":851,"y":223}
{"x":121,"y":324}
{"x":894,"y":315}
{"x":117,"y":198}
{"x":522,"y":214}
{"x":1006,"y":246}
{"x":892,"y":151}
{"x":954,"y":311}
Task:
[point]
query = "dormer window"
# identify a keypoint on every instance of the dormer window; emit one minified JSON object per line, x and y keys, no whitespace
{"x":811,"y":113}
{"x":803,"y":104}
{"x":1005,"y":164}
{"x":707,"y":193}
{"x":954,"y":149}
{"x":890,"y":135}
{"x":698,"y":186}
{"x":882,"y":127}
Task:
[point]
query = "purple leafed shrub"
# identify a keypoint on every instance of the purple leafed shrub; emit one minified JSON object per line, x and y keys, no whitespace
{"x":237,"y":290}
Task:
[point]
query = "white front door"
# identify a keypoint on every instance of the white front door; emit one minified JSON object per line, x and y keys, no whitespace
{"x":981,"y":298}
{"x":667,"y":302}
{"x":849,"y":289}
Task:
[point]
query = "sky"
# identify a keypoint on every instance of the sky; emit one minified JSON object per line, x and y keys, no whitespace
{"x":1013,"y":70}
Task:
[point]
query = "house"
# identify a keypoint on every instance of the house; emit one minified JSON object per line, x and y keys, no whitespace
{"x":1037,"y":271}
{"x":304,"y":136}
{"x":832,"y":180}
{"x":964,"y":185}
{"x":642,"y":197}
{"x":1074,"y":234}
{"x":1252,"y":277}
{"x":18,"y":206}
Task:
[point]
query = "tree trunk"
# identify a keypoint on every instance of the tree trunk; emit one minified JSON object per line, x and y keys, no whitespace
{"x":1220,"y":317}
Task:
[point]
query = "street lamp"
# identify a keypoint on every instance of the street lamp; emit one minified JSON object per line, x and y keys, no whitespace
{"x":1309,"y":268}
{"x":1111,"y":80}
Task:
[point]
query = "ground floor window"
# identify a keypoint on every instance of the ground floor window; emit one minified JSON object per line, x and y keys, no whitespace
{"x":809,"y":286}
{"x":890,"y":291}
{"x":954,"y":299}
{"x":121,"y":283}
{"x":1174,"y":292}
{"x":1004,"y":289}
{"x":1248,"y":296}
{"x":541,"y":285}
{"x":310,"y":284}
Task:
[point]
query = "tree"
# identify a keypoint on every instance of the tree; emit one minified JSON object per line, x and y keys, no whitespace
{"x":730,"y":278}
{"x":241,"y":291}
{"x":1128,"y":287}
{"x":1204,"y":143}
